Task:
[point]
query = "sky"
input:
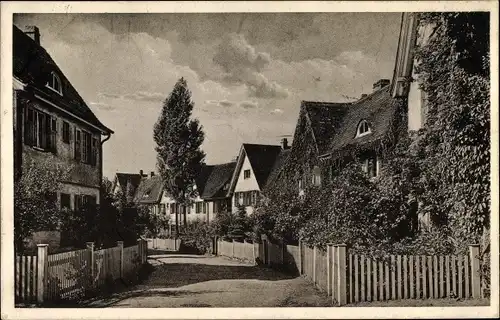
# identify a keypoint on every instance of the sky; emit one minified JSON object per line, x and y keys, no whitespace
{"x":248,"y":72}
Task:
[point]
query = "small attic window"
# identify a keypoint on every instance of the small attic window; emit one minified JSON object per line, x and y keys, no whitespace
{"x":364,"y":128}
{"x":146,"y":194}
{"x":54,"y":83}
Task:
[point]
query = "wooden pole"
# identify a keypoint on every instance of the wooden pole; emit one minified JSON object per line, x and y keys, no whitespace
{"x":329,"y":268}
{"x":42,"y":261}
{"x":475,"y":270}
{"x":90,"y":249}
{"x":342,"y":293}
{"x":300,"y":257}
{"x":120,"y":245}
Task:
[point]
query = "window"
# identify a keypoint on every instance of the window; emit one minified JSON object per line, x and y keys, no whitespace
{"x":370,"y":166}
{"x":246,"y":174}
{"x":363,"y":128}
{"x":205,"y":207}
{"x":54,"y":83}
{"x":65,"y":201}
{"x":162,"y":208}
{"x":65,"y":132}
{"x":199,"y":206}
{"x":40,"y":130}
{"x":82,"y":201}
{"x":86,"y":147}
{"x":173,"y":208}
{"x":226,"y":187}
{"x":316,"y":176}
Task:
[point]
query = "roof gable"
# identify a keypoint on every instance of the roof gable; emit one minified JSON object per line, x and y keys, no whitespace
{"x":378,"y":109}
{"x":262,"y":159}
{"x":219,"y":176}
{"x":324,"y":119}
{"x":149,"y":191}
{"x":32,"y":65}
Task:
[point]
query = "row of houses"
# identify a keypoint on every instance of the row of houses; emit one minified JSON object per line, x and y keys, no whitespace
{"x":327,"y":136}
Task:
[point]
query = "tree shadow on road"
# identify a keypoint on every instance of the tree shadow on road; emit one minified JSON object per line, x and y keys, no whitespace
{"x":174,"y":275}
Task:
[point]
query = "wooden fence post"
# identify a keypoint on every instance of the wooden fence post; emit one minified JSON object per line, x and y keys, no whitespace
{"x":314,"y":265}
{"x":341,"y":272}
{"x":90,"y":249}
{"x":475,"y":270}
{"x":145,"y":247}
{"x":120,"y":245}
{"x":329,"y":267}
{"x":42,"y":270}
{"x":232,"y":248}
{"x":300,"y":257}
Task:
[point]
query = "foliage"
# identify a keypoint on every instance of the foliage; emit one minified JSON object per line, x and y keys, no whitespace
{"x":152,"y":224}
{"x":178,"y":140}
{"x":198,"y":235}
{"x":35,"y":200}
{"x":454,"y":72}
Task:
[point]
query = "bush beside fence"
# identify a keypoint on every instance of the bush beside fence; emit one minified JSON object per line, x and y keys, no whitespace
{"x":349,"y":278}
{"x":74,"y":274}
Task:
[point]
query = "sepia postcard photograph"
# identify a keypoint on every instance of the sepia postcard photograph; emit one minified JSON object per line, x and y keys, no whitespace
{"x":249,"y":160}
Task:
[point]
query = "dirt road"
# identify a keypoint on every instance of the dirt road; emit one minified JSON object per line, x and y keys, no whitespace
{"x":201,"y":281}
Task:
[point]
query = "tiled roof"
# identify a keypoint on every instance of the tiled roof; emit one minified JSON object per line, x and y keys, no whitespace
{"x":33,"y":65}
{"x":124,"y":178}
{"x":378,"y":109}
{"x":149,"y":190}
{"x":202,"y":177}
{"x":325,"y":119}
{"x":220,"y":175}
{"x":335,"y":124}
{"x":278,"y":165}
{"x":262,"y":159}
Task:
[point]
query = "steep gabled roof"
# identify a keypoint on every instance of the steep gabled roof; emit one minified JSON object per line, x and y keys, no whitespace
{"x":149,"y":190}
{"x":124,"y":178}
{"x":262,"y":159}
{"x":324,"y":119}
{"x":278,"y":166}
{"x":219,"y":176}
{"x":378,"y":108}
{"x":32,"y":65}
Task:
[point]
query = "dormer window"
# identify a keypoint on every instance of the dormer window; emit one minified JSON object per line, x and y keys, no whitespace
{"x":364,"y":128}
{"x":54,"y":83}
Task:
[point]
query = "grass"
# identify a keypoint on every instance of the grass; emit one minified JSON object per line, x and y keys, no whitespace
{"x":424,"y":303}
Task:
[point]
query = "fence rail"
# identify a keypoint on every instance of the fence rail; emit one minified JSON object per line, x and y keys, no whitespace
{"x":349,"y":277}
{"x":73,"y":274}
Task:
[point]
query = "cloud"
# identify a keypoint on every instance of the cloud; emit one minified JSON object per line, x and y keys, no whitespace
{"x":109,"y":95}
{"x":145,"y":96}
{"x":277,"y":111}
{"x":225,"y":103}
{"x":242,"y":64}
{"x":102,"y":106}
{"x":248,"y":104}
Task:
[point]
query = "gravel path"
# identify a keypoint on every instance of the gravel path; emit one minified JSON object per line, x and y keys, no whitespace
{"x":202,"y":281}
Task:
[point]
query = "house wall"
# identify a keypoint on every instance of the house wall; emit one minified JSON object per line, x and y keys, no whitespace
{"x":242,"y":184}
{"x":83,"y":177}
{"x":191,"y":214}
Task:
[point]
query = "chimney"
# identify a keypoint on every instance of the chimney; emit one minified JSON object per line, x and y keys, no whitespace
{"x":33,"y":32}
{"x":380,"y":84}
{"x":284,"y":143}
{"x":152,"y":174}
{"x":141,"y":173}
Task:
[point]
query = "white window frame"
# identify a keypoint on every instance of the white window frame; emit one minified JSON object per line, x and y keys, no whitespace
{"x":53,"y":79}
{"x":365,"y":126}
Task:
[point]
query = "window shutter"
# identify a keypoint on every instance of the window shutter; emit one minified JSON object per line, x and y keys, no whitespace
{"x":94,"y":151}
{"x":236,"y":197}
{"x":29,"y":127}
{"x":53,"y":134}
{"x":78,"y":144}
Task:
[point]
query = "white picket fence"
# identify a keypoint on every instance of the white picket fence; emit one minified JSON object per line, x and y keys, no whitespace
{"x":71,"y":275}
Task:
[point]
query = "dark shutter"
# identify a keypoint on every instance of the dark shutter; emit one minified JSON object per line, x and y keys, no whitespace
{"x":78,"y":144}
{"x":236,"y":198}
{"x":93,"y":158}
{"x":29,"y":127}
{"x":65,"y":200}
{"x":53,"y":134}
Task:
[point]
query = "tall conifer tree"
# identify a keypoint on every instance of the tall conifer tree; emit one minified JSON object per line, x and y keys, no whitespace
{"x":178,"y":145}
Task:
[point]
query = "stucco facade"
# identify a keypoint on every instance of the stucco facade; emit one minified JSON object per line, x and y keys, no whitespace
{"x":244,"y":184}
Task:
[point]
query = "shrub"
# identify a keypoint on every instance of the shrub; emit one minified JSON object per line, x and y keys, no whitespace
{"x":198,"y":235}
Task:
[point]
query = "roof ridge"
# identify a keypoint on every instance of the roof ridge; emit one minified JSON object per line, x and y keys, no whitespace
{"x":370,"y":95}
